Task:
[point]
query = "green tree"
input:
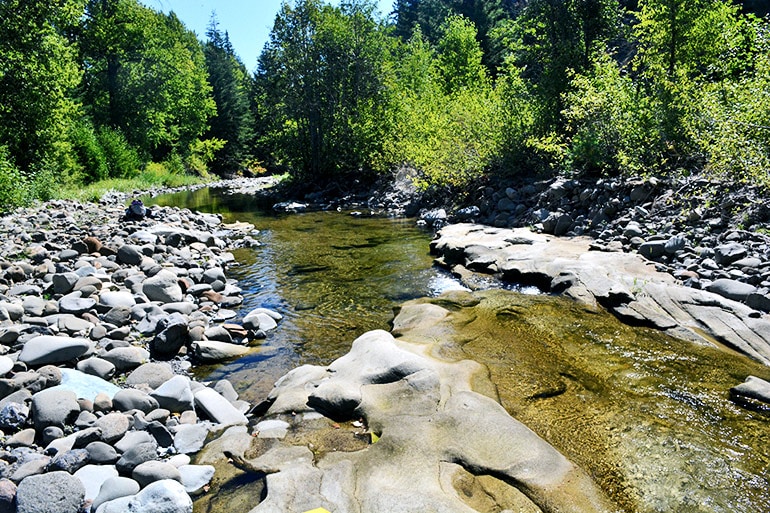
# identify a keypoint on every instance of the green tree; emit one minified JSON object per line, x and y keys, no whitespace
{"x":322,"y":78}
{"x":38,"y":75}
{"x":231,"y":86}
{"x":460,"y":55}
{"x":145,"y":75}
{"x":549,"y":40}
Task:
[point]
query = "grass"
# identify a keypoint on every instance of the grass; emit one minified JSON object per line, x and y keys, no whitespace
{"x":151,"y":177}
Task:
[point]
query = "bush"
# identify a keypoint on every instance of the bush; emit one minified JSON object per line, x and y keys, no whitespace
{"x":122,"y":159}
{"x":13,"y":185}
{"x":91,"y":161}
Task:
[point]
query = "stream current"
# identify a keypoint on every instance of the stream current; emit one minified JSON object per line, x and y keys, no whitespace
{"x":646,"y":415}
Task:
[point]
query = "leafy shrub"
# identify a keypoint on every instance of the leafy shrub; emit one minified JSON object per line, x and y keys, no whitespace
{"x":13,"y":185}
{"x":88,"y":152}
{"x":121,"y":158}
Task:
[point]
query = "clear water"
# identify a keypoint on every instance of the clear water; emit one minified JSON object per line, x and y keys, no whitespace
{"x":646,"y":415}
{"x":333,"y":276}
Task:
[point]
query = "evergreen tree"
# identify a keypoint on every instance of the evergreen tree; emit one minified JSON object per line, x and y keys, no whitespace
{"x":230,"y":84}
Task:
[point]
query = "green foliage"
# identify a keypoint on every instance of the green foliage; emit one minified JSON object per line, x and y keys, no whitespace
{"x":145,"y":75}
{"x":38,"y":73}
{"x":611,"y":126}
{"x":460,"y":56}
{"x":13,"y":186}
{"x":322,"y":77}
{"x":122,"y":159}
{"x":448,"y":119}
{"x":233,"y":122}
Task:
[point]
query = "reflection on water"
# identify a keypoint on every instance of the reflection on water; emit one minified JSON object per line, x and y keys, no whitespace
{"x":332,"y":275}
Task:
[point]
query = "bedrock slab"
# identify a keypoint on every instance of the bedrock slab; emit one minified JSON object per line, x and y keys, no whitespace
{"x":434,"y":436}
{"x":626,"y":284}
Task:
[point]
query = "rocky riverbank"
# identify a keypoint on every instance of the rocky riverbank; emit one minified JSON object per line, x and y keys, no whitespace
{"x":101,"y":318}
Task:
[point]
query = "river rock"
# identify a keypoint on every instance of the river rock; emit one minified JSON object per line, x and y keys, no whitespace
{"x":731,"y":289}
{"x":173,"y":336}
{"x":210,"y":351}
{"x":190,"y":438}
{"x":115,"y":488}
{"x":69,"y":461}
{"x":175,"y":395}
{"x":13,"y":416}
{"x":130,"y":254}
{"x":101,"y":453}
{"x":131,"y":399}
{"x":259,"y":321}
{"x":54,"y":492}
{"x":217,"y":408}
{"x":47,"y":349}
{"x":116,"y":299}
{"x":151,"y":471}
{"x":167,"y":496}
{"x":93,"y":478}
{"x":113,"y":426}
{"x":163,"y":287}
{"x":54,"y":408}
{"x":7,"y":496}
{"x":75,"y":303}
{"x":152,"y":374}
{"x":195,"y":478}
{"x":726,"y":254}
{"x":98,"y":367}
{"x":135,"y":456}
{"x":6,"y":364}
{"x":126,"y":358}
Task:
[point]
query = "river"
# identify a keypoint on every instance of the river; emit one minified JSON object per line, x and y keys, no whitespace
{"x":646,"y":415}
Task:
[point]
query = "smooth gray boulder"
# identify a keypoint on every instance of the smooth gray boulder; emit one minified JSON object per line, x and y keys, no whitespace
{"x":101,"y":453}
{"x":731,"y":289}
{"x":726,"y":254}
{"x":49,"y":349}
{"x":96,"y":366}
{"x":259,"y":320}
{"x":129,"y":254}
{"x":167,"y":496}
{"x":210,"y":351}
{"x":53,"y":492}
{"x":116,"y":299}
{"x":217,"y":408}
{"x":190,"y":438}
{"x":113,"y":426}
{"x":175,"y":395}
{"x":135,"y":456}
{"x":54,"y":408}
{"x":151,"y":471}
{"x":115,"y":488}
{"x":126,"y":358}
{"x":173,"y":335}
{"x":194,"y":478}
{"x":133,"y":438}
{"x":6,"y":364}
{"x":74,"y":303}
{"x":129,"y":399}
{"x":93,"y":477}
{"x":163,"y":287}
{"x":63,"y":283}
{"x":152,"y":374}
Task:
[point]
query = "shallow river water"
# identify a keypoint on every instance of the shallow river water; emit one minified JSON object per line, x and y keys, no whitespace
{"x":647,"y":415}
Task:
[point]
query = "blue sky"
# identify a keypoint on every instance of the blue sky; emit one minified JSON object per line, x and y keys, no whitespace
{"x":248,"y":22}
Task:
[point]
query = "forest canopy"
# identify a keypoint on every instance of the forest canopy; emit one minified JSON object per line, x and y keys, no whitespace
{"x":459,"y":90}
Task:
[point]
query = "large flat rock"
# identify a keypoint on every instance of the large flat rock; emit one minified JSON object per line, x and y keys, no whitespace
{"x":436,"y":427}
{"x":626,"y":284}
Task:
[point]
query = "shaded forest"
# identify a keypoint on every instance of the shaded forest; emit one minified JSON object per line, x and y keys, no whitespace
{"x":459,"y":90}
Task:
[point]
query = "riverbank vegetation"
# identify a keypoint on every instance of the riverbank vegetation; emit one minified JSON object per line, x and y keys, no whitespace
{"x":460,"y":90}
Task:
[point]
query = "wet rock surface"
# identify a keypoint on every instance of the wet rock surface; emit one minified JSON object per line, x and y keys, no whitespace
{"x":627,"y":284}
{"x":95,"y":315}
